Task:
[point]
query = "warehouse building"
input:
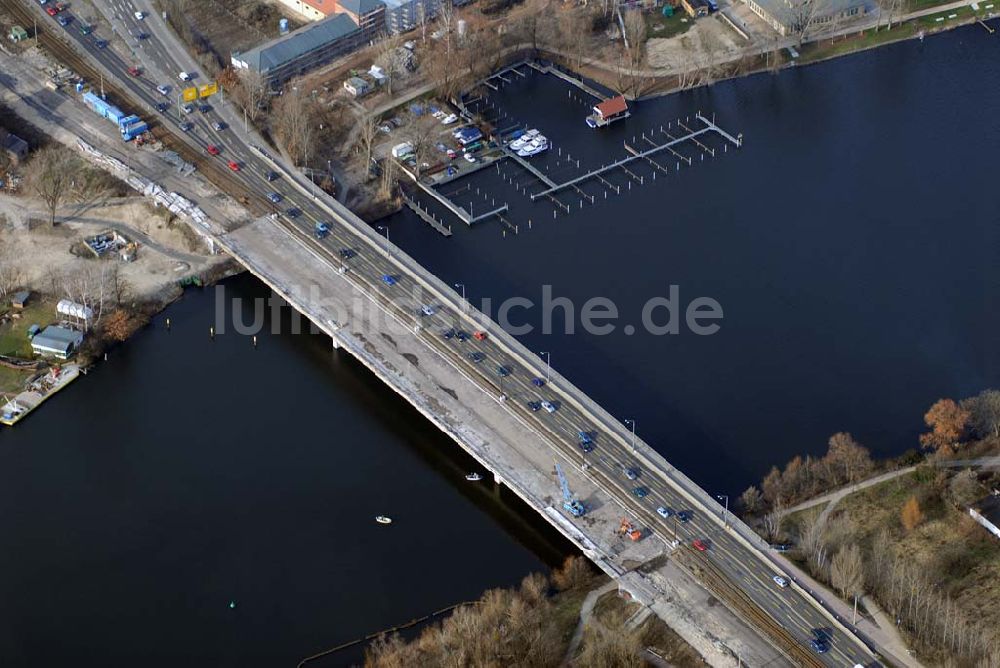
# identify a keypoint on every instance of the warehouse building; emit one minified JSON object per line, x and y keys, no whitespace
{"x":56,"y":341}
{"x":791,"y":17}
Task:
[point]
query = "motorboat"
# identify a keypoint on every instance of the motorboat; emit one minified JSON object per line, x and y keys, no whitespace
{"x":531,"y":134}
{"x":518,"y":143}
{"x":473,"y":477}
{"x":382,"y":519}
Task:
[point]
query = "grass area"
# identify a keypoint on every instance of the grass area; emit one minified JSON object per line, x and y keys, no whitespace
{"x":12,"y":380}
{"x":611,"y":603}
{"x":660,"y":26}
{"x":14,"y":333}
{"x":664,"y":641}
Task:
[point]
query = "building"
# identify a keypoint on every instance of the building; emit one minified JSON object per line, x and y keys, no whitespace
{"x":315,"y":10}
{"x":301,"y":50}
{"x":987,"y":513}
{"x":15,"y":147}
{"x":608,"y":111}
{"x":404,"y":15}
{"x":18,"y":34}
{"x":369,"y":15}
{"x":19,"y":300}
{"x":56,"y":341}
{"x":790,"y":17}
{"x":357,"y":86}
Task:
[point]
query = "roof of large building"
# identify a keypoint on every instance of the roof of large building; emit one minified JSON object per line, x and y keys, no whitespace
{"x":790,"y":12}
{"x":325,"y":7}
{"x":272,"y":55}
{"x":56,"y":338}
{"x":360,"y":7}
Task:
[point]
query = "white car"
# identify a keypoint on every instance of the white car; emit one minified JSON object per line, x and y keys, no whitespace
{"x":469,"y":157}
{"x":549,"y":408}
{"x":663,"y":512}
{"x":427,"y":309}
{"x":139,"y":16}
{"x":449,"y":119}
{"x":184,"y":76}
{"x":163,"y":89}
{"x":780,"y":581}
{"x":187,"y":109}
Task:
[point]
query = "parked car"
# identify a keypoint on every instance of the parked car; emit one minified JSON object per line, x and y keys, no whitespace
{"x":451,"y":154}
{"x":449,"y":119}
{"x":51,"y":10}
{"x":63,"y":20}
{"x":469,"y":157}
{"x":212,"y":149}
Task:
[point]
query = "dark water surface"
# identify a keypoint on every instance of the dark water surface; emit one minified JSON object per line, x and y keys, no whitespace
{"x":852,"y":244}
{"x":183,"y":474}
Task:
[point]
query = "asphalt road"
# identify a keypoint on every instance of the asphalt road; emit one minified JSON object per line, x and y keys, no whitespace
{"x":369,"y":264}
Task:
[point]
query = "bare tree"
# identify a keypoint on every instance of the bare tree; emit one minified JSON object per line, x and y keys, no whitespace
{"x":49,"y":179}
{"x":387,"y":58}
{"x":254,"y":93}
{"x":964,"y":488}
{"x":802,"y":15}
{"x":11,"y":273}
{"x":294,"y":124}
{"x":367,"y":134}
{"x":751,"y":499}
{"x":773,"y":522}
{"x":984,"y":410}
{"x":847,"y":571}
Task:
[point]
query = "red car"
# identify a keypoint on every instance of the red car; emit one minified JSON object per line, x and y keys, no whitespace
{"x":699,"y":545}
{"x":212,"y":149}
{"x":233,"y":165}
{"x":51,"y":11}
{"x":134,"y":71}
{"x":479,"y":336}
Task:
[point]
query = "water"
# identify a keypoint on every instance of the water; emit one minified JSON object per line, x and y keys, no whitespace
{"x":851,"y":243}
{"x":184,"y":473}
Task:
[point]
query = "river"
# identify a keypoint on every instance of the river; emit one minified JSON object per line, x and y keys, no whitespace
{"x":851,"y":243}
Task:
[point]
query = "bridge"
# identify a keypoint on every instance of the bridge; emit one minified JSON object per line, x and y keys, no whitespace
{"x":369,"y":302}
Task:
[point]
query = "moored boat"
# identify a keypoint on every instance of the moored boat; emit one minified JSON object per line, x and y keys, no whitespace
{"x":473,"y":477}
{"x":383,"y":519}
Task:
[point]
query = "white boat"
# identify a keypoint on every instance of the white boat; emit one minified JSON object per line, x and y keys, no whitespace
{"x":533,"y":149}
{"x":382,"y":519}
{"x":473,"y":477}
{"x":531,"y":134}
{"x":518,"y":143}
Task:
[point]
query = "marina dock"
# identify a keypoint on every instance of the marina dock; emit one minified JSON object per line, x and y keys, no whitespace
{"x":426,"y":215}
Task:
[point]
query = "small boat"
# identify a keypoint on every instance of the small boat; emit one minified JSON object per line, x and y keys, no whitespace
{"x":530,"y":134}
{"x":518,"y":144}
{"x":473,"y":477}
{"x":382,"y":519}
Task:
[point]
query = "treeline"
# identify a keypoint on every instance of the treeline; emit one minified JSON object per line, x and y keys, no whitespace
{"x":530,"y":625}
{"x":965,"y":428}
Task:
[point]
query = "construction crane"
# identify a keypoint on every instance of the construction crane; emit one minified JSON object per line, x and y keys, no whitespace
{"x":576,"y":508}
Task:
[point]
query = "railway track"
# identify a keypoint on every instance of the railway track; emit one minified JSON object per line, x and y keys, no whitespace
{"x":64,"y":53}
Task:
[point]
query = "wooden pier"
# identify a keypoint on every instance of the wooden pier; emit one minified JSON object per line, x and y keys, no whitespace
{"x":579,"y":83}
{"x":636,"y":154}
{"x":426,"y":215}
{"x":531,"y":168}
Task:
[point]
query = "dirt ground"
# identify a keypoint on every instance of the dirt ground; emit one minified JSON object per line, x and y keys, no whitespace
{"x":708,"y":39}
{"x":167,"y":252}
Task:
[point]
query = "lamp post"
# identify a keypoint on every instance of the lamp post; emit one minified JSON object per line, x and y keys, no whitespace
{"x":548,"y":365}
{"x":465,"y":304}
{"x":632,"y":424}
{"x":725,"y":511}
{"x":385,"y":228}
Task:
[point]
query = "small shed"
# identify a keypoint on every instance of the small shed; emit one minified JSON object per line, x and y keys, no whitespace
{"x":18,"y":34}
{"x":357,"y":86}
{"x":20,"y":299}
{"x":56,"y":341}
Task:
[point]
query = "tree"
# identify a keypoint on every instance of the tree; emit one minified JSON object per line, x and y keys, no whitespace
{"x":773,"y":522}
{"x":947,"y":421}
{"x":367,"y":134}
{"x":11,"y":273}
{"x":847,"y":459}
{"x":752,"y":499}
{"x":847,"y":571}
{"x":49,"y":179}
{"x":575,"y":572}
{"x":911,"y":516}
{"x":254,"y":93}
{"x":294,"y":124}
{"x":964,"y":488}
{"x":984,"y":413}
{"x":119,"y":325}
{"x":801,"y":14}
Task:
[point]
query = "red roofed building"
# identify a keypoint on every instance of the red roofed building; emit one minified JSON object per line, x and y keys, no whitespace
{"x":313,"y":9}
{"x":608,"y":111}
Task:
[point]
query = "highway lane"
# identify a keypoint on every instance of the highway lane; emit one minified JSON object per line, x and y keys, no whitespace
{"x":558,"y":429}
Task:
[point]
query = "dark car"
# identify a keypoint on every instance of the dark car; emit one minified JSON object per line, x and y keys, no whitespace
{"x":270,"y":176}
{"x":587,"y":447}
{"x":822,"y":635}
{"x":535,"y":406}
{"x":274,"y":197}
{"x":204,"y":108}
{"x":162,"y":106}
{"x":186,"y":127}
{"x":142,"y":35}
{"x":347,"y":253}
{"x":538,"y":382}
{"x":462,"y":335}
{"x":640,"y":492}
{"x":819,"y":646}
{"x":448,"y":334}
{"x":63,"y":20}
{"x":683,"y":516}
{"x":477,"y":357}
{"x":101,"y":44}
{"x":503,"y":371}
{"x":585,"y":437}
{"x":631,"y":473}
{"x":294,"y":212}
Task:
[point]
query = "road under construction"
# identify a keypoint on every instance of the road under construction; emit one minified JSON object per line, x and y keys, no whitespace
{"x":370,"y":298}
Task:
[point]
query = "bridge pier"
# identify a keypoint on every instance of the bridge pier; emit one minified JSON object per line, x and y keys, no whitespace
{"x":497,"y":479}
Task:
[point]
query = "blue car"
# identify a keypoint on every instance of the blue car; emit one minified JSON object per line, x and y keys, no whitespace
{"x":388,"y":280}
{"x":683,"y":516}
{"x":585,"y":437}
{"x":274,"y":197}
{"x":101,"y":44}
{"x":640,"y":492}
{"x":534,"y":406}
{"x":587,"y":447}
{"x":503,"y":371}
{"x":347,"y":253}
{"x":462,"y":336}
{"x":819,"y":646}
{"x":477,"y":357}
{"x":538,"y":382}
{"x":448,"y":334}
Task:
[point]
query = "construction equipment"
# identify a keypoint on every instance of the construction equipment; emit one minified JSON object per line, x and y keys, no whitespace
{"x":626,"y":529}
{"x":571,"y":504}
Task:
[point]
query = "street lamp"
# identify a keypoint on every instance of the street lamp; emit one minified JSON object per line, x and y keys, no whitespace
{"x":465,"y":304}
{"x":548,"y":365}
{"x":385,"y":228}
{"x":632,"y":424}
{"x":725,"y":512}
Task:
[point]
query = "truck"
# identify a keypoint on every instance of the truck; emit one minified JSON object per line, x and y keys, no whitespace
{"x":103,"y":108}
{"x":570,"y":503}
{"x":402,"y":150}
{"x":133,"y":129}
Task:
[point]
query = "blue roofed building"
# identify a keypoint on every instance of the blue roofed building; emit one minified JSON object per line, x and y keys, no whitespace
{"x":299,"y":51}
{"x":368,"y":14}
{"x":56,"y":341}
